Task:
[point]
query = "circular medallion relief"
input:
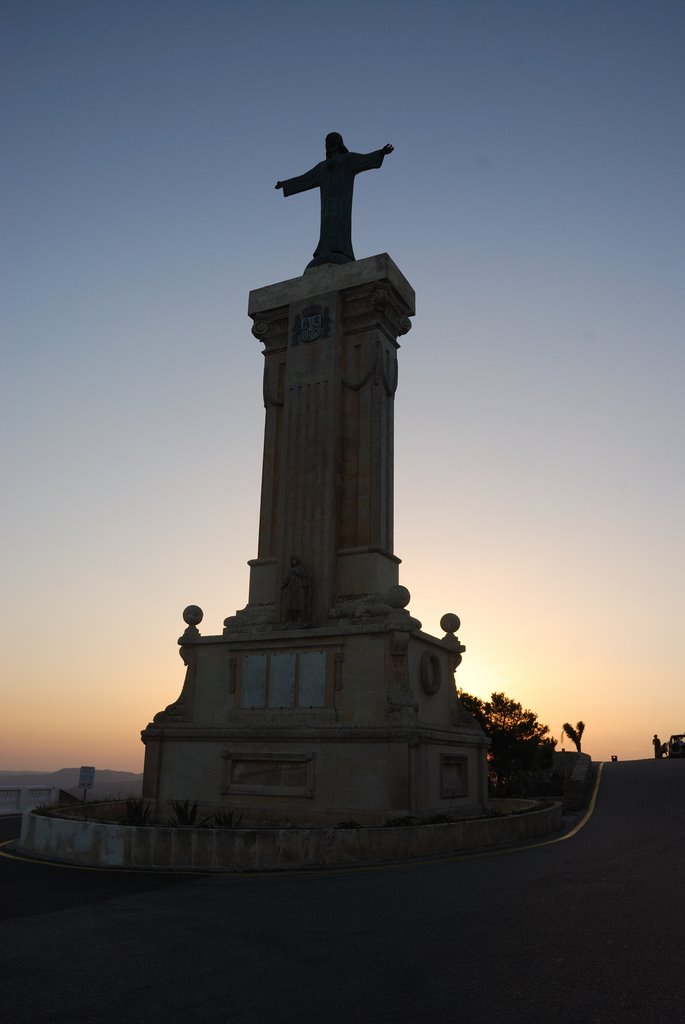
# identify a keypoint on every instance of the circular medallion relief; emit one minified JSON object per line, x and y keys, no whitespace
{"x":430,"y":672}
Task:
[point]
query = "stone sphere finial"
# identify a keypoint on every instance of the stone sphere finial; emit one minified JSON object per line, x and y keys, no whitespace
{"x":193,"y":615}
{"x":398,"y":597}
{"x":450,"y":622}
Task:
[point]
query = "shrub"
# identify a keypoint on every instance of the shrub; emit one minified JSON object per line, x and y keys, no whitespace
{"x":223,"y":819}
{"x":136,"y":811}
{"x":185,"y":812}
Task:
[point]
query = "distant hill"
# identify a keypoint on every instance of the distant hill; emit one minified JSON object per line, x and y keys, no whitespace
{"x":107,"y":782}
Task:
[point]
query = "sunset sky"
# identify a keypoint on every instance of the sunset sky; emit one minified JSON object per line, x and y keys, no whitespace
{"x":535,"y":203}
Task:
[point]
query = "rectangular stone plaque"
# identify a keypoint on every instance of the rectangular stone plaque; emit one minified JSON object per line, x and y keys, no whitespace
{"x":270,"y":774}
{"x":253,"y":681}
{"x":312,"y":679}
{"x":282,"y":681}
{"x":453,"y":776}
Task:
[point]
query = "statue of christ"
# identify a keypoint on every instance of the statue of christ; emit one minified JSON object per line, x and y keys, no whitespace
{"x":334,"y":176}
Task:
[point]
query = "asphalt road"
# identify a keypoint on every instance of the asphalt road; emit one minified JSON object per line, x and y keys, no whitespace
{"x":588,"y":930}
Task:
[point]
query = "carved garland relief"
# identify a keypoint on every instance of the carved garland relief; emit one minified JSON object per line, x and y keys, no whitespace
{"x":383,"y":369}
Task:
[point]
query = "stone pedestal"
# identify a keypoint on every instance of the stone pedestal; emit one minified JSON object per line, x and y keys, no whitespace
{"x":330,"y":375}
{"x":323,"y":701}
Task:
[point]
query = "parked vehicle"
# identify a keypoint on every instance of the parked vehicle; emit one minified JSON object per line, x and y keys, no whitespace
{"x":676,"y":745}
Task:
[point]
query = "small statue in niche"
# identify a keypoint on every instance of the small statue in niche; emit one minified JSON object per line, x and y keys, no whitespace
{"x":297,"y":595}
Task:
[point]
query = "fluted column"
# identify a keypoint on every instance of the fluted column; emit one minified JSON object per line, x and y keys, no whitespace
{"x":330,"y":377}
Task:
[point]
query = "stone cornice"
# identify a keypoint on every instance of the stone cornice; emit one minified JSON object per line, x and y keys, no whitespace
{"x":319,"y":733}
{"x":333,"y":278}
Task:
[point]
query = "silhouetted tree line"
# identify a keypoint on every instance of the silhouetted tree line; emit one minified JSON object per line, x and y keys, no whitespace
{"x":520,"y":745}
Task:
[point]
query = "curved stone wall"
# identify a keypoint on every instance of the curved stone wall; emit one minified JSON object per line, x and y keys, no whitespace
{"x":108,"y":845}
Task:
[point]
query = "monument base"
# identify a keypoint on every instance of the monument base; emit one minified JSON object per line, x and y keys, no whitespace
{"x":357,"y":722}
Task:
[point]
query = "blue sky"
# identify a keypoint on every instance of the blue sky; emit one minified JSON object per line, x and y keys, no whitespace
{"x":534,"y":201}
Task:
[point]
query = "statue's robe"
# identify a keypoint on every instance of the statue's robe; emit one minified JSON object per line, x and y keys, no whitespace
{"x":335,"y":178}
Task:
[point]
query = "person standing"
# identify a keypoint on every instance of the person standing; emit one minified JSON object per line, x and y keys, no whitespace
{"x":656,"y":743}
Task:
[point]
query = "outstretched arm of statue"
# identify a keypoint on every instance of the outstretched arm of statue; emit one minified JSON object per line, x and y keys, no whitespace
{"x":369,"y":161}
{"x":301,"y":183}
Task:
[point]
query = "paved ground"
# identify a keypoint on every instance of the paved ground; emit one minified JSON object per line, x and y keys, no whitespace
{"x":588,"y":930}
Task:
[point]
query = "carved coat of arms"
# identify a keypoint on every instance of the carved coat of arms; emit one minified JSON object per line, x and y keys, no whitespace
{"x":312,"y":323}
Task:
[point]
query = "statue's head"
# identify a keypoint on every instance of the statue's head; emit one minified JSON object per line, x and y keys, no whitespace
{"x":335,"y":144}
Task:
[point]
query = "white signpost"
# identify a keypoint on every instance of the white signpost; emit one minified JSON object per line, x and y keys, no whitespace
{"x":86,"y":778}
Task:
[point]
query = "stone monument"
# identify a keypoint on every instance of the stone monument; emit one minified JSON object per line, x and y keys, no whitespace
{"x":323,"y":701}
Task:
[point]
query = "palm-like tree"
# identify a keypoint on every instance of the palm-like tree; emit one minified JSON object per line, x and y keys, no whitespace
{"x":575,"y":735}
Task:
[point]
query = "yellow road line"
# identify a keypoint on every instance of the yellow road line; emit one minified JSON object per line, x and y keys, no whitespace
{"x":588,"y":814}
{"x":567,"y":835}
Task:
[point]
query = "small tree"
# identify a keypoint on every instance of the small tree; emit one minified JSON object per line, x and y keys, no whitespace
{"x":519,"y":743}
{"x":575,"y":735}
